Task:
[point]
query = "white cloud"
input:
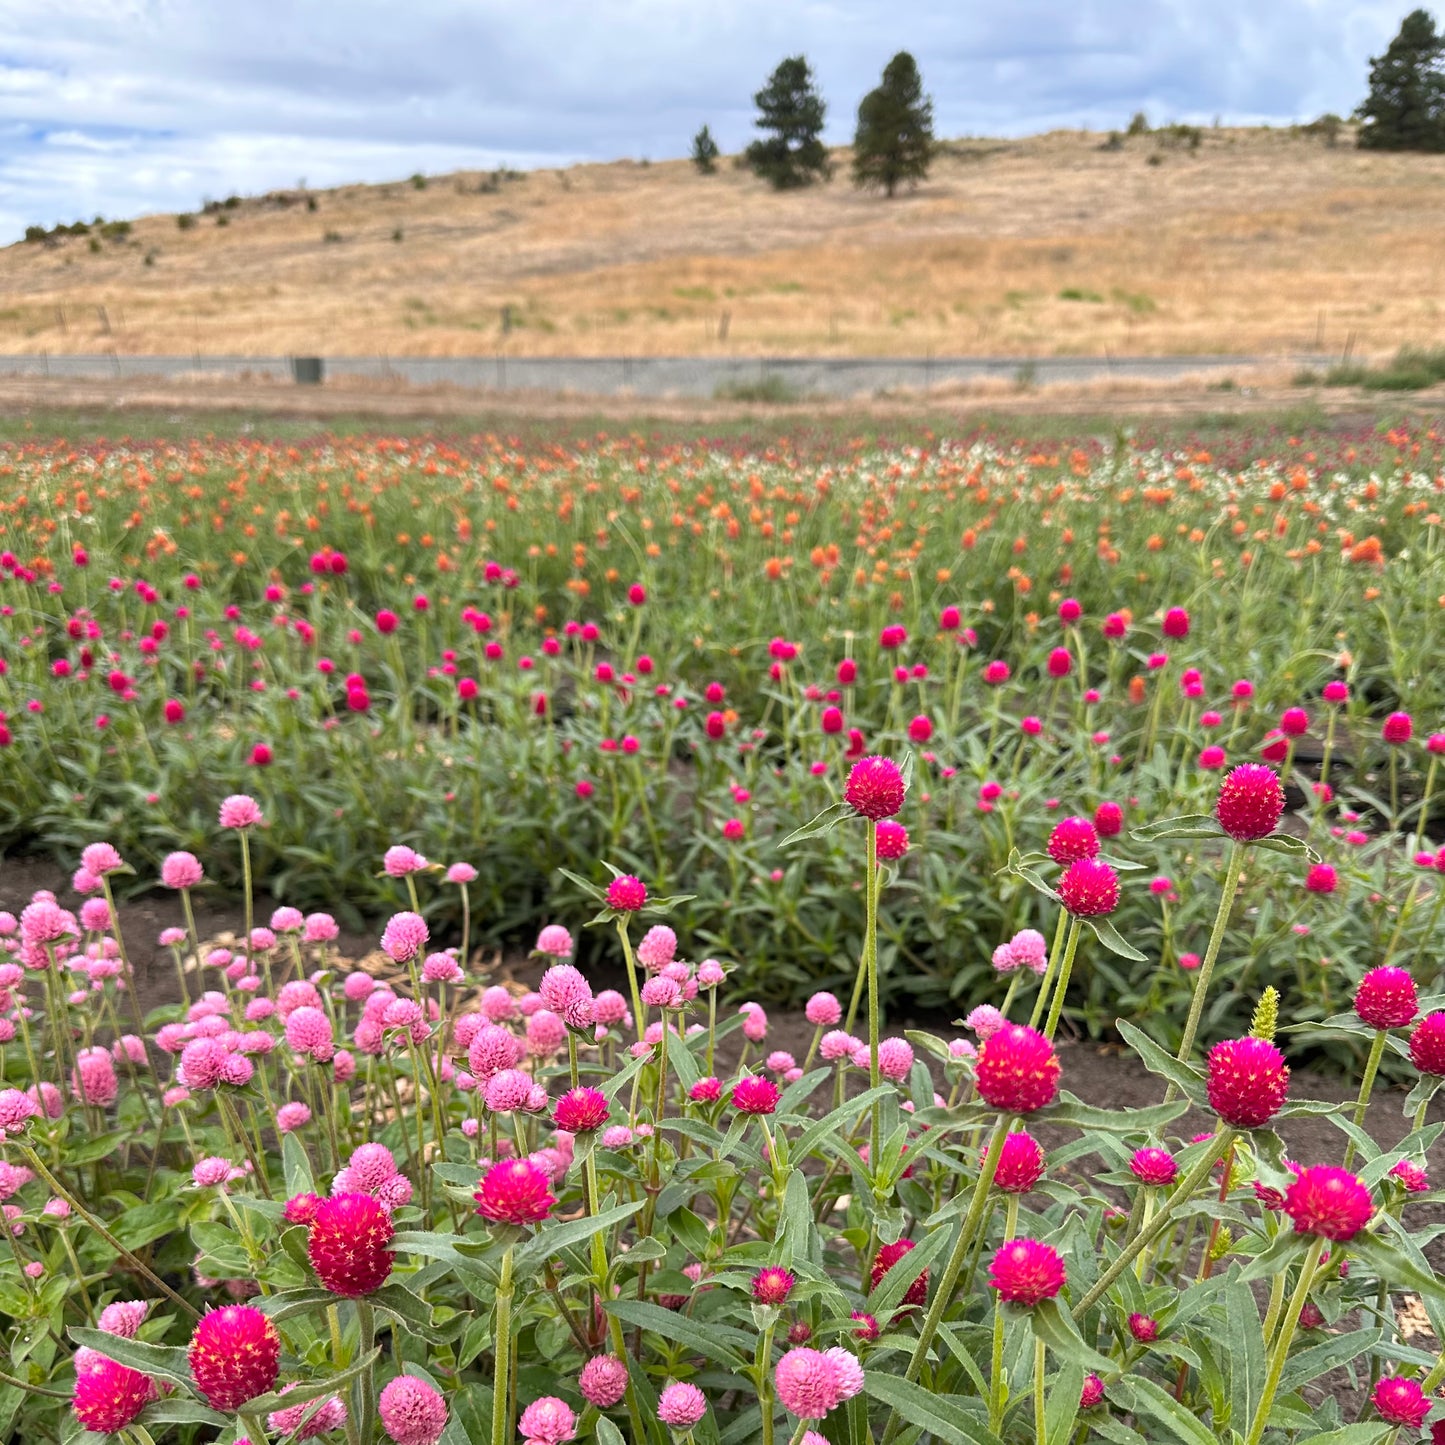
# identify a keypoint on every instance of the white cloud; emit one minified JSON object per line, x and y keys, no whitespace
{"x":127,"y":106}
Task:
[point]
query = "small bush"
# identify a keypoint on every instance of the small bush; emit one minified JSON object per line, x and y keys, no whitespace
{"x":185,"y":221}
{"x":418,"y":182}
{"x":1139,"y":124}
{"x":1077,"y":293}
{"x":772,"y":390}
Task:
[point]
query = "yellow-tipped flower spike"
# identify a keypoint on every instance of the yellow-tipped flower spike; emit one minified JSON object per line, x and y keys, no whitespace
{"x":1266,"y":1015}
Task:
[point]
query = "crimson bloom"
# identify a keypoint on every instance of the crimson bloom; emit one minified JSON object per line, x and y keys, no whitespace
{"x":515,"y":1191}
{"x":235,"y":1355}
{"x":347,"y":1244}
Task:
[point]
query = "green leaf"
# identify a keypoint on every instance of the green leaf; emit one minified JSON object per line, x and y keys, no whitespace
{"x":1283,"y":843}
{"x":1246,"y":1354}
{"x":298,"y":1166}
{"x":1055,"y":1327}
{"x":1110,"y":937}
{"x":1144,"y":1397}
{"x":1185,"y":1077}
{"x":1320,"y":1359}
{"x":1367,"y":1434}
{"x":726,"y":1344}
{"x":304,"y":1390}
{"x":825,"y":822}
{"x":1390,"y":1264}
{"x":181,"y":1411}
{"x":169,"y":1362}
{"x":288,"y":1302}
{"x":1062,"y":1407}
{"x":1186,"y":825}
{"x":938,"y":1414}
{"x":408,"y":1309}
{"x":554,"y":1237}
{"x":608,"y":1433}
{"x":1080,"y":1115}
{"x":596,"y":894}
{"x":810,"y":1138}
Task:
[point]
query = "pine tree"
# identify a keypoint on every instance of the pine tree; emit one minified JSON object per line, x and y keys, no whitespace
{"x":792,"y":111}
{"x":705,"y":151}
{"x":894,"y":140}
{"x":1405,"y":109}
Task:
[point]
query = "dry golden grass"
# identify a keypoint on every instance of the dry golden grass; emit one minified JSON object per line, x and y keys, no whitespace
{"x":1259,"y":242}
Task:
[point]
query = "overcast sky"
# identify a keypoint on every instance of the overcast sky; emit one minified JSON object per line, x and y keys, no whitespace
{"x":120,"y":107}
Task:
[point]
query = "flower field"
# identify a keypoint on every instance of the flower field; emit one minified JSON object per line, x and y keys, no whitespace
{"x":1121,"y":739}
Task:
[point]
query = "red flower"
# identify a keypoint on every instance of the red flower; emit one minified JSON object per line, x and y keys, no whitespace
{"x":347,"y":1244}
{"x":1060,"y":661}
{"x":514,"y":1191}
{"x":874,"y":788}
{"x":1386,"y":998}
{"x":581,"y":1110}
{"x":755,"y":1095}
{"x":1328,"y":1201}
{"x":1176,"y":623}
{"x":1144,"y":1328}
{"x":1108,"y":820}
{"x":626,"y":894}
{"x":1021,"y":1165}
{"x":892,"y":840}
{"x":1090,"y":888}
{"x":1251,"y":802}
{"x":1072,"y":839}
{"x":1401,"y":1401}
{"x":773,"y":1285}
{"x":301,"y":1208}
{"x":1017,"y":1071}
{"x":1248,"y":1079}
{"x":235,"y":1355}
{"x":1427,"y":1044}
{"x":1398,"y":728}
{"x":1027,"y":1271}
{"x":888,"y":1255}
{"x":108,"y":1396}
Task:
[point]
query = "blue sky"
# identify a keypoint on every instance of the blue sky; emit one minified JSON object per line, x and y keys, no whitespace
{"x":120,"y":107}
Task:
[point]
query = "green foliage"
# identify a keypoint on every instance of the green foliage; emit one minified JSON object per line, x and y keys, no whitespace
{"x":1405,"y":107}
{"x":1412,"y":369}
{"x":791,"y":114}
{"x":893,"y":143}
{"x":705,"y":152}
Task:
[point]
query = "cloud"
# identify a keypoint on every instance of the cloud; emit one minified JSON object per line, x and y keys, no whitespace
{"x":121,"y":107}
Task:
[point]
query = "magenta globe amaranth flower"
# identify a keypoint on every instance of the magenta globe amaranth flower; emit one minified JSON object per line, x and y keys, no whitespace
{"x":1027,"y":1272}
{"x":1089,"y":888}
{"x":1250,"y":802}
{"x":626,"y":894}
{"x":1386,"y":998}
{"x":874,"y":788}
{"x":1247,"y":1081}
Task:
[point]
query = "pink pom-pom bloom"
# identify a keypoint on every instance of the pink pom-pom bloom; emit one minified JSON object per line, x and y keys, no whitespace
{"x":1154,"y":1166}
{"x":1427,"y":1044}
{"x":1029,"y":949}
{"x":603,"y":1381}
{"x":412,"y":1412}
{"x":1414,"y":1179}
{"x":308,"y":1420}
{"x":1250,"y":803}
{"x":773,"y":1285}
{"x":807,"y":1383}
{"x":1020,"y":1166}
{"x":1328,"y":1201}
{"x":1401,"y":1401}
{"x":548,"y":1421}
{"x":895,"y":1059}
{"x":347,"y":1244}
{"x":754,"y":1094}
{"x":1017,"y":1070}
{"x":461,"y":874}
{"x":1071,"y":840}
{"x":93,"y":1079}
{"x":240,"y":811}
{"x":581,"y":1110}
{"x":514,"y":1191}
{"x":626,"y":894}
{"x":874,"y":788}
{"x":681,"y":1405}
{"x":891,"y":841}
{"x":308,"y":1033}
{"x":565,"y":992}
{"x":555,"y":940}
{"x":823,"y":1010}
{"x":124,"y":1317}
{"x":1089,"y":888}
{"x":181,"y":870}
{"x":1399,"y":727}
{"x":1386,"y":998}
{"x":400,"y":860}
{"x":1247,"y":1080}
{"x":108,"y":1396}
{"x":235,"y":1355}
{"x":658,"y":947}
{"x":1026,"y":1272}
{"x":290,"y":1117}
{"x":404,"y":936}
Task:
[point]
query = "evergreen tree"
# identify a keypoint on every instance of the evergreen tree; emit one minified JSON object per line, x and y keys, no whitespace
{"x":1405,"y":109}
{"x":894,"y":140}
{"x":791,"y":111}
{"x":704,"y":151}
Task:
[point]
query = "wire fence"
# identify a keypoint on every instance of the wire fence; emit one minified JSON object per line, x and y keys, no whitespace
{"x":655,"y":376}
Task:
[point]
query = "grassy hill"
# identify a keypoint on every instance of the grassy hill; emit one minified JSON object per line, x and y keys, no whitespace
{"x":1253,"y":241}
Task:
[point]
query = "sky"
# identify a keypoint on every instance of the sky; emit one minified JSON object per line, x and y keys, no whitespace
{"x":124,"y":107}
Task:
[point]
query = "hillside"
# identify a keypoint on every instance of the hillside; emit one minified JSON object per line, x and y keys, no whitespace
{"x":1257,"y":241}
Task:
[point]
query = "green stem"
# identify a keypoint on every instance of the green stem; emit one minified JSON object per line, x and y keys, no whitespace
{"x":631,"y":977}
{"x":997,"y":1396}
{"x":1040,"y":1427}
{"x":870,"y":964}
{"x":1372,"y":1064}
{"x":1065,"y":969}
{"x":366,"y":1329}
{"x":1049,"y":969}
{"x":1286,"y":1335}
{"x":502,"y":1347}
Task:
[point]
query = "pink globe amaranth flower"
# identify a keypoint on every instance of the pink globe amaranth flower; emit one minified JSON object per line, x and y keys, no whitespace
{"x":299,"y":993}
{"x":837,"y":1045}
{"x":292,"y":1116}
{"x":412,"y":1412}
{"x":755,"y":1022}
{"x":1089,"y":888}
{"x":320,"y":928}
{"x":754,"y":1094}
{"x":308,"y":1033}
{"x":888,"y":1255}
{"x":369,"y":1168}
{"x":100,"y":859}
{"x":806,"y":1383}
{"x":93,"y":1079}
{"x":1321,"y":878}
{"x":609,"y":1007}
{"x":1427,"y":1044}
{"x":235,"y":1355}
{"x":399,"y":860}
{"x":498,"y":1005}
{"x":181,"y":870}
{"x":1386,"y":998}
{"x":1026,"y":1272}
{"x":581,"y":1110}
{"x":681,"y":1405}
{"x":507,"y":1091}
{"x":1247,"y":1081}
{"x":823,"y":1010}
{"x":514,"y":1191}
{"x":1060,"y":662}
{"x":773,"y":1284}
{"x":867,"y":1325}
{"x":1399,"y":727}
{"x":546,"y":1033}
{"x":1412,"y":1176}
{"x":874,"y":788}
{"x":1294,"y":722}
{"x":1108,"y":820}
{"x":548,"y":1421}
{"x":661,"y":993}
{"x":1153,"y":1166}
{"x":895,"y":1059}
{"x":124,"y":1317}
{"x":1212,"y":758}
{"x":404,"y":936}
{"x":1017,"y":1071}
{"x":95,"y":915}
{"x":891,"y":841}
{"x":1335,"y":691}
{"x":44,"y":921}
{"x":208,"y":1173}
{"x":626,"y":894}
{"x":108,"y":1396}
{"x":985,"y":1021}
{"x":1029,"y":949}
{"x":288,"y":920}
{"x":1071,"y":840}
{"x":1092,"y":1393}
{"x":920,"y":729}
{"x":240,"y":811}
{"x":492,"y":1049}
{"x":1401,"y":1401}
{"x":309,"y":1419}
{"x":301,"y":1208}
{"x":707,"y":1090}
{"x":603,"y":1381}
{"x":658,"y":947}
{"x":441,"y":968}
{"x":1176,"y":623}
{"x":710,"y":973}
{"x":203,"y":1063}
{"x":1020,"y":1166}
{"x":462,"y":874}
{"x":347,"y":1244}
{"x":555,"y":940}
{"x":1250,"y":802}
{"x":565,"y":992}
{"x":1327,"y":1201}
{"x":1144,"y":1328}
